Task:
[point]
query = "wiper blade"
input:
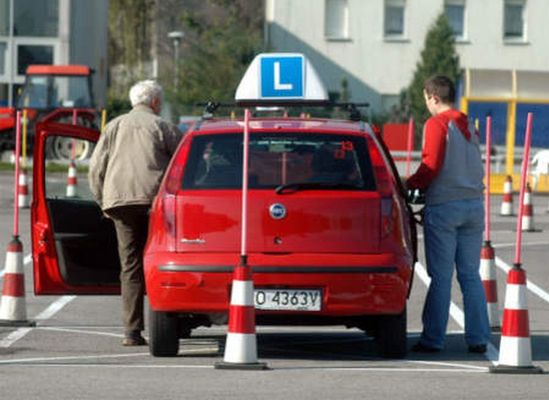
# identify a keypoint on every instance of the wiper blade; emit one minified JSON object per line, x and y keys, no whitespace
{"x":296,"y":186}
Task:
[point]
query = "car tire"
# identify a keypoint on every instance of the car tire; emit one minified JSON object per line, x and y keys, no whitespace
{"x":163,"y":334}
{"x":391,"y":335}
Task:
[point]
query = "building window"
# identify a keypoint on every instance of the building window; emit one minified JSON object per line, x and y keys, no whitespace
{"x":394,"y":18}
{"x":336,"y":19}
{"x":33,"y":54}
{"x":3,"y":49}
{"x":513,"y":24}
{"x":455,"y":12}
{"x":36,"y":18}
{"x":4,"y":17}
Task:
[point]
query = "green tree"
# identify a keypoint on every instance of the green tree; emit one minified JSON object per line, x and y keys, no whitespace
{"x":437,"y":57}
{"x":221,"y":46}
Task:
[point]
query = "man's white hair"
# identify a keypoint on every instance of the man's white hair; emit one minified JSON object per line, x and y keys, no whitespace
{"x":144,"y":92}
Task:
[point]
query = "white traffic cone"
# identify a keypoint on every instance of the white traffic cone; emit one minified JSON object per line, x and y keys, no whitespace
{"x":507,"y":202}
{"x":528,"y":211}
{"x":71,"y":180}
{"x":13,"y":310}
{"x":23,"y":191}
{"x":488,"y":277}
{"x":241,"y":344}
{"x":515,"y":350}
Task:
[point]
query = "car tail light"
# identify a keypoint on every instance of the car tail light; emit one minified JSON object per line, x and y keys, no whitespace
{"x":381,"y":171}
{"x":168,"y":213}
{"x":174,"y":179}
{"x":390,"y":210}
{"x":167,"y":204}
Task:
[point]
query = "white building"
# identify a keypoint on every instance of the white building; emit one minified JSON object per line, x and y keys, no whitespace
{"x":52,"y":32}
{"x":376,"y":44}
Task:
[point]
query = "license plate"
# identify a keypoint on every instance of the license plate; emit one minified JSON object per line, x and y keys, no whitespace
{"x":288,"y":299}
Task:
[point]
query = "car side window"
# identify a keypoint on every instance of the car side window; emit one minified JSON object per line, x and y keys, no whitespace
{"x":61,"y":179}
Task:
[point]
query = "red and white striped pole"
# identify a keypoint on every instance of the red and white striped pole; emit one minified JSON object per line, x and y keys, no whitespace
{"x":528,"y":213}
{"x":507,"y":201}
{"x":72,"y":181}
{"x":23,"y":197}
{"x":515,"y":353}
{"x":487,"y":255}
{"x":241,"y":344}
{"x":12,"y":304}
{"x":409,"y":146}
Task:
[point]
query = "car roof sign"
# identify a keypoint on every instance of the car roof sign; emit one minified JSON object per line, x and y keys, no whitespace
{"x":280,"y":79}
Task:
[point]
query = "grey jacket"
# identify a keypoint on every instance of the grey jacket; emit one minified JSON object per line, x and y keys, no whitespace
{"x":130,"y":158}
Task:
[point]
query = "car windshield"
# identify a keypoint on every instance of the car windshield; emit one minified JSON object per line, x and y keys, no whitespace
{"x":296,"y":160}
{"x":45,"y":92}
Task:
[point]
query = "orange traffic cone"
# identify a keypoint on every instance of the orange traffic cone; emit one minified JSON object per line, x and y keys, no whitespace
{"x":241,"y":344}
{"x":71,"y":180}
{"x":528,"y":211}
{"x":515,"y":350}
{"x":488,"y":277}
{"x":23,"y":192}
{"x":507,"y":203}
{"x":12,"y":305}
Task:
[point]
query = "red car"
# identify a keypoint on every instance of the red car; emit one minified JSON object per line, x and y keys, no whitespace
{"x":331,"y":239}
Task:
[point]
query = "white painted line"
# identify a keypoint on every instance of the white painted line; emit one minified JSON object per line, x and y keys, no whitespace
{"x":389,"y":369}
{"x":504,"y":245}
{"x":14,"y":337}
{"x":455,"y":312}
{"x":44,"y":315}
{"x":70,"y":358}
{"x":446,"y":364}
{"x":529,"y":284}
{"x":55,"y":307}
{"x":116,"y":335}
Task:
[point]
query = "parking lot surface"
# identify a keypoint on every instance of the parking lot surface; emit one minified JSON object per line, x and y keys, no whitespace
{"x":74,"y":352}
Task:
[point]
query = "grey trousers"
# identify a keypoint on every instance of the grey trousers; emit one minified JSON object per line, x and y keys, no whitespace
{"x":131,"y":224}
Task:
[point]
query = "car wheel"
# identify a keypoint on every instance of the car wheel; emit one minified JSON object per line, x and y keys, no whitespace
{"x":391,"y":335}
{"x":163,"y":334}
{"x":59,"y":148}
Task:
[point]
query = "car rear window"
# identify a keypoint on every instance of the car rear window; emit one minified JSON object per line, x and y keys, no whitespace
{"x":215,"y":161}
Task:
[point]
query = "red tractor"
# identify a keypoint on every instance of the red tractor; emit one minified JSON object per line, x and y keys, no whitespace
{"x":51,"y":92}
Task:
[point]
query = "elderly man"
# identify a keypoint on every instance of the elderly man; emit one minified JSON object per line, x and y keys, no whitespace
{"x":125,"y":171}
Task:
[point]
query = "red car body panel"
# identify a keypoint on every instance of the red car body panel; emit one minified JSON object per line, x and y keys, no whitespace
{"x":355,"y":247}
{"x":48,"y":278}
{"x":331,"y":240}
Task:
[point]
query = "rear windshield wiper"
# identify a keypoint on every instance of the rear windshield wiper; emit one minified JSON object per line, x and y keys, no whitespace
{"x":294,"y":187}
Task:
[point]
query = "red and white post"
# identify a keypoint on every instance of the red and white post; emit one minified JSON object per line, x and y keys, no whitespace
{"x":241,"y":344}
{"x":12,"y":304}
{"x":515,"y":352}
{"x":487,"y":256}
{"x":409,"y":147}
{"x":507,"y":201}
{"x":528,"y":213}
{"x":72,"y":181}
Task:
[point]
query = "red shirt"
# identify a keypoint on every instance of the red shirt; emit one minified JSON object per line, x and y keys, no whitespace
{"x":434,"y":146}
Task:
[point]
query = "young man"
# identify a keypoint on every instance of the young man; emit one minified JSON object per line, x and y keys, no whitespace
{"x":125,"y":171}
{"x":451,"y":175}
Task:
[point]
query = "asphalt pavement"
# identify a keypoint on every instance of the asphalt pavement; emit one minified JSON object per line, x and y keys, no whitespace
{"x":74,"y":352}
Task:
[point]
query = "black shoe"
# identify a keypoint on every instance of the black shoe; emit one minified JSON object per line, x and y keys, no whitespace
{"x":421,"y":348}
{"x":134,"y":341}
{"x":477,"y":348}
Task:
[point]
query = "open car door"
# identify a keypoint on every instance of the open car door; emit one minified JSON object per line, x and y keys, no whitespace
{"x":74,"y":246}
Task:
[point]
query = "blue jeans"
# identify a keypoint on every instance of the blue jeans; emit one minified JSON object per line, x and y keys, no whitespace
{"x":453,"y":236}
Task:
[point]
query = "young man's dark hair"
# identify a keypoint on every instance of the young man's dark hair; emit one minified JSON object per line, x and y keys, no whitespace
{"x":442,"y":87}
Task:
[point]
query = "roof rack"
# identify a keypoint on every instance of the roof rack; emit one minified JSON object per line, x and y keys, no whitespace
{"x":211,"y":107}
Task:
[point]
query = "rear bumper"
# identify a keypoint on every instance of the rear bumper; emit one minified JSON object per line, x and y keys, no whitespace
{"x":351,"y":285}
